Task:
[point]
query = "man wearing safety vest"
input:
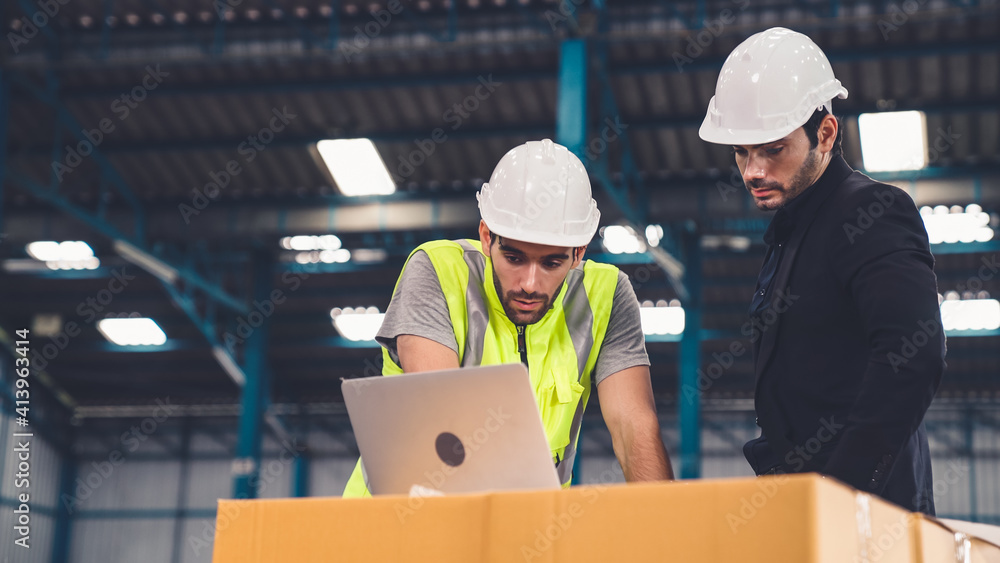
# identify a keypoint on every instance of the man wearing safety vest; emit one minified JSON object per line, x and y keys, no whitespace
{"x":523,"y":293}
{"x":846,"y":288}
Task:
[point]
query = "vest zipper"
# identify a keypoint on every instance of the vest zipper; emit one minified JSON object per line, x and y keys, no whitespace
{"x":521,"y":347}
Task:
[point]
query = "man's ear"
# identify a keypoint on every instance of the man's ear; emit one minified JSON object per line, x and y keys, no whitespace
{"x":578,"y":253}
{"x":826,"y":134}
{"x":484,"y":237}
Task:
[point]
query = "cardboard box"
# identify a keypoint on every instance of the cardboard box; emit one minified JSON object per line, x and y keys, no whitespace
{"x":799,"y":518}
{"x":953,"y":540}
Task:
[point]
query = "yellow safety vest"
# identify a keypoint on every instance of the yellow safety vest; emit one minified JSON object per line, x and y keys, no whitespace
{"x":562,"y":347}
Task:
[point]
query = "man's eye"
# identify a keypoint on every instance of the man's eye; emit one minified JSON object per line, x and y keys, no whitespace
{"x":775,"y":150}
{"x":738,"y":151}
{"x":553,"y":265}
{"x":513,"y":259}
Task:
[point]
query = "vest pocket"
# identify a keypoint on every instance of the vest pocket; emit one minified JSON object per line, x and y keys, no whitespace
{"x":558,"y":397}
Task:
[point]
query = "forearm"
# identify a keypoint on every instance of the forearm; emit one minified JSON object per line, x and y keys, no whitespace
{"x":640,"y":451}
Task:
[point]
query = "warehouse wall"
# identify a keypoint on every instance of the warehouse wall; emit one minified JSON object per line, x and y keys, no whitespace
{"x":43,"y":480}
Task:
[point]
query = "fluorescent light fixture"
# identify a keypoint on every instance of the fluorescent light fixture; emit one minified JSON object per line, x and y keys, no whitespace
{"x":358,"y":324}
{"x":661,"y":319}
{"x":132,"y":332}
{"x":654,"y":234}
{"x":146,"y":261}
{"x":970,"y":314}
{"x":731,"y":242}
{"x":356,"y":167}
{"x":956,"y":224}
{"x":893,"y":141}
{"x":66,"y":255}
{"x":622,"y":239}
{"x":339,"y":256}
{"x":311,"y":242}
{"x":229,"y":365}
{"x":369,"y":255}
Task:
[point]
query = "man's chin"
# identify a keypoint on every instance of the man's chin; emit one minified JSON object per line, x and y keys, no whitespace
{"x":527,"y":318}
{"x":769,"y":204}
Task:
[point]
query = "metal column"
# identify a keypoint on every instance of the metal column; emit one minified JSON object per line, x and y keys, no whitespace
{"x":571,"y":109}
{"x":246,"y":466}
{"x":689,"y":396}
{"x":64,"y":524}
{"x":571,"y":129}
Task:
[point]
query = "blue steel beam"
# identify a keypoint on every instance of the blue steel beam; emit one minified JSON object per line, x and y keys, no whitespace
{"x":633,"y":205}
{"x":28,"y":185}
{"x":571,"y":107}
{"x":63,"y":528}
{"x":300,"y":475}
{"x":4,"y":122}
{"x":689,"y":396}
{"x":67,"y":120}
{"x":246,"y":466}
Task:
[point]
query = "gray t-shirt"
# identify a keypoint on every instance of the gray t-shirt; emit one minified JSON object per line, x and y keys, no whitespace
{"x":419,"y":307}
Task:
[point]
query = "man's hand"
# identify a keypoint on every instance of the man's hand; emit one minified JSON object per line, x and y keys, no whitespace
{"x":629,"y":411}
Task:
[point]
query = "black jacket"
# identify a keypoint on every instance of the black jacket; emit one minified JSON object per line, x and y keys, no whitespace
{"x":852,"y":351}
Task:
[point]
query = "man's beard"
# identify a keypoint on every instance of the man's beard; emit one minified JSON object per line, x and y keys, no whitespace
{"x":797,"y":185}
{"x":516,"y":316}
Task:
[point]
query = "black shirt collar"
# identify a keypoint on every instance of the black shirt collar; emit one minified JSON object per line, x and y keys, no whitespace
{"x":803,"y":208}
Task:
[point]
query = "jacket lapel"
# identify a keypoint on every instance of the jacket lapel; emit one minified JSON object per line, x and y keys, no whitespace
{"x":769,"y":332}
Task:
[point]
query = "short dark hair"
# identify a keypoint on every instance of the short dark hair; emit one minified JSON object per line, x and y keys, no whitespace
{"x":494,"y":237}
{"x":811,"y":128}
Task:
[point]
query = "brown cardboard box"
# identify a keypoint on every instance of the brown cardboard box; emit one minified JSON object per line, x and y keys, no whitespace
{"x":941,"y":540}
{"x":800,"y":518}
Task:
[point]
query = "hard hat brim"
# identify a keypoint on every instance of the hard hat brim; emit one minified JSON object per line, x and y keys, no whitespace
{"x":545,"y":238}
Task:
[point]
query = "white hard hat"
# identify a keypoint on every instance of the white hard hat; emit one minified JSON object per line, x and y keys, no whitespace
{"x":769,"y":86}
{"x":540,"y":193}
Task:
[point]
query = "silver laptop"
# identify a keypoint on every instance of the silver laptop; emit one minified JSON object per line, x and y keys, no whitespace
{"x":457,"y":431}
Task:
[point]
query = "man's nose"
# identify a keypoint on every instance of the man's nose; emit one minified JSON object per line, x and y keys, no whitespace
{"x":531,"y":278}
{"x":754,"y":169}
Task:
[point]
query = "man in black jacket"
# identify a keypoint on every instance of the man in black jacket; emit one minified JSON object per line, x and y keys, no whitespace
{"x":846,"y":327}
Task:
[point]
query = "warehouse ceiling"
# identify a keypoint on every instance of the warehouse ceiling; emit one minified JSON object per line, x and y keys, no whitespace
{"x":189,"y":129}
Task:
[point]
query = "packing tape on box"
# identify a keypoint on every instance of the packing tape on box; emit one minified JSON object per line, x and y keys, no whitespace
{"x":963,"y":548}
{"x":864,"y":516}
